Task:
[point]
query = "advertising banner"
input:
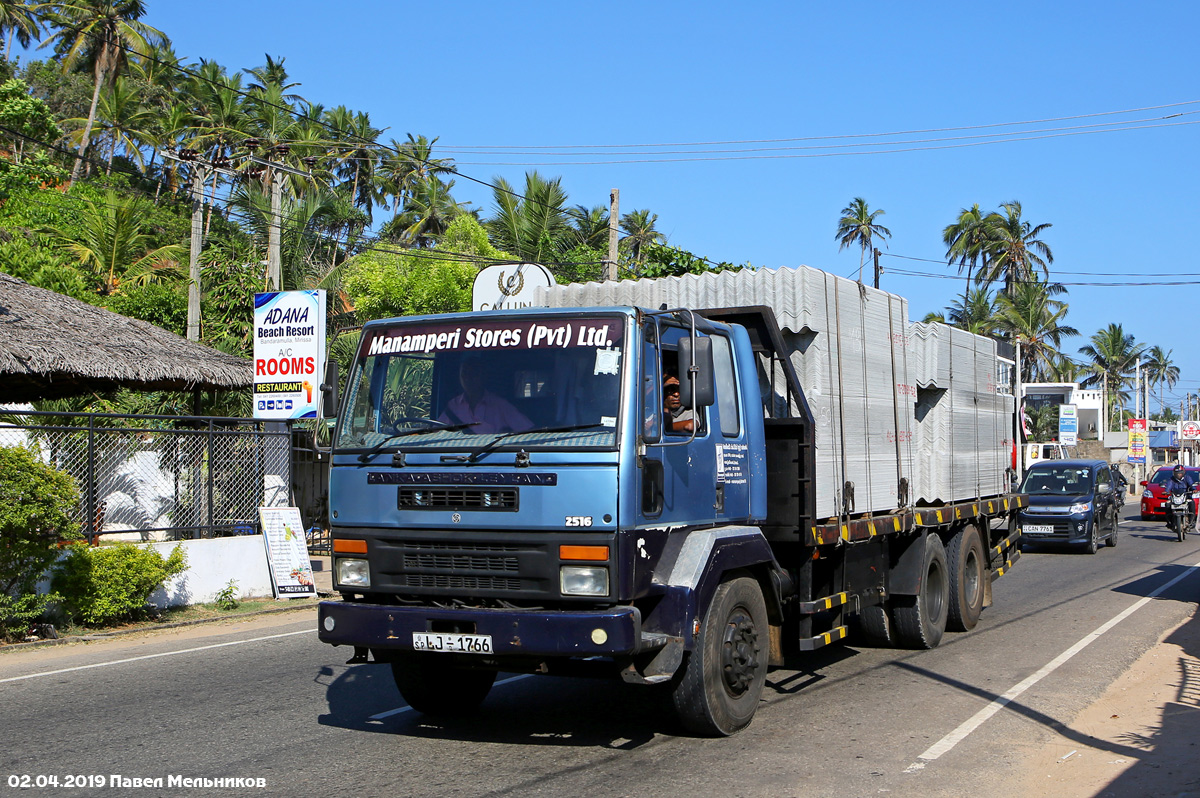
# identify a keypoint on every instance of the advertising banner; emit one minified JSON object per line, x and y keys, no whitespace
{"x":1138,"y":441}
{"x":508,"y":285}
{"x":289,"y":353}
{"x":287,"y":552}
{"x":1068,"y":425}
{"x":1189,"y":430}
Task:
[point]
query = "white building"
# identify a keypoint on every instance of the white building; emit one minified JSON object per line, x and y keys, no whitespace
{"x":1086,"y":400}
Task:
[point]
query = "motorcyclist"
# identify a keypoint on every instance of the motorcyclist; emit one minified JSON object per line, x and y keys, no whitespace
{"x":1182,"y":482}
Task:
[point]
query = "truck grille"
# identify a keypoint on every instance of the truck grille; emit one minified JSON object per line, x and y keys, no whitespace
{"x":458,"y":582}
{"x":471,"y":567}
{"x":422,"y":498}
{"x":459,"y":557}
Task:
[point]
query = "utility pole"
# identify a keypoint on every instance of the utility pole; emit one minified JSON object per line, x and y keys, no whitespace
{"x":878,"y":271}
{"x":202,"y":169}
{"x":610,"y":265}
{"x":274,"y":261}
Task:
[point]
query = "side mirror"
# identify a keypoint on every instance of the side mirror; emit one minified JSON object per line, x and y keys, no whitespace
{"x":329,"y":390}
{"x":1143,"y":483}
{"x":696,"y":351}
{"x":1103,"y":487}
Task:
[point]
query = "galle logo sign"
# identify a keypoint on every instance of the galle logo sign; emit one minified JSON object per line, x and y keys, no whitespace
{"x":1190,"y":431}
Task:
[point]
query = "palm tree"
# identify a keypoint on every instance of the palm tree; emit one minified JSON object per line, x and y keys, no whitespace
{"x":858,"y":227}
{"x":977,"y":312}
{"x":1160,"y":369}
{"x":110,"y":241}
{"x":19,"y":19}
{"x":1064,"y":369}
{"x":966,"y":242}
{"x":1031,"y":317}
{"x":533,"y":226}
{"x":123,"y":119}
{"x":1013,"y":247}
{"x":408,"y":164}
{"x":591,"y":225}
{"x":640,"y":232}
{"x":103,"y":32}
{"x":1114,"y":355}
{"x":428,"y":211}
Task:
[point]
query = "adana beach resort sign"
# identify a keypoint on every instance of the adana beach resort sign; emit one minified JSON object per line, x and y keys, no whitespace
{"x":289,"y":353}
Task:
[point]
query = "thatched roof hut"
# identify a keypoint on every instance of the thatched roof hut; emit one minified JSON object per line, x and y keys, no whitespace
{"x":52,"y":345}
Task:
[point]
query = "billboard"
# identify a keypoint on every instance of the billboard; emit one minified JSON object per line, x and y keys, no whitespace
{"x":1189,"y":430}
{"x":289,"y":353}
{"x":1068,"y":425}
{"x":1138,"y":440}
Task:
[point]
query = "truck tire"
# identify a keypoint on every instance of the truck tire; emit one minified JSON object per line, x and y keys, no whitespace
{"x":432,"y":686}
{"x":875,"y":627}
{"x":964,"y":556}
{"x":921,"y":619}
{"x":722,"y":678}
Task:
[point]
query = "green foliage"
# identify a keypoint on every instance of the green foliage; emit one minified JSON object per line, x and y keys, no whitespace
{"x":383,"y":284}
{"x":163,"y":305}
{"x":227,"y":598}
{"x":24,"y":118}
{"x":112,"y":583}
{"x":18,"y":614}
{"x":579,"y":265}
{"x":661,"y":260}
{"x":36,"y":507}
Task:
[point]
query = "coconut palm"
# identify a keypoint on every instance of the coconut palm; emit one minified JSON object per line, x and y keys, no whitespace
{"x":407,"y":164}
{"x":1014,"y":249}
{"x":1162,"y":370}
{"x":591,"y":225}
{"x":858,"y":227}
{"x":105,"y":33}
{"x":428,"y":211}
{"x":1033,"y":318}
{"x":111,"y":241}
{"x":20,"y":20}
{"x":1114,"y":355}
{"x":639,"y":233}
{"x":123,"y":120}
{"x":533,"y":225}
{"x":966,"y":242}
{"x":976,"y":312}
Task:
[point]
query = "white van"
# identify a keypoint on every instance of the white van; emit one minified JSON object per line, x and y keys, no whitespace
{"x":1037,"y":452}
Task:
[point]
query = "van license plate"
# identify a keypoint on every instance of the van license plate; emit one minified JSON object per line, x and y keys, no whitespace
{"x":454,"y":643}
{"x":1038,"y":529}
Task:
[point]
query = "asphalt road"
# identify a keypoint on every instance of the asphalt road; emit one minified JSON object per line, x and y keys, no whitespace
{"x":265,"y":700}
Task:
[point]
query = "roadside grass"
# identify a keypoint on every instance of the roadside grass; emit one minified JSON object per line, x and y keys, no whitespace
{"x":194,"y":613}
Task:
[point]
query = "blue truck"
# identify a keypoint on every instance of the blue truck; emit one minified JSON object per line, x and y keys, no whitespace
{"x":522,"y":491}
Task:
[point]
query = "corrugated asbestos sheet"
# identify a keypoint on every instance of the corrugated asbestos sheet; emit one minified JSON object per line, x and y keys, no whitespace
{"x":860,"y":367}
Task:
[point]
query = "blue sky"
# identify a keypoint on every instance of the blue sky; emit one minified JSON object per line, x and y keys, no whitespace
{"x":536,"y":74}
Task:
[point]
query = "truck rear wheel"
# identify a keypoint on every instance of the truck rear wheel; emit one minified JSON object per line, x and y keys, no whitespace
{"x":722,"y":681}
{"x":965,"y":558}
{"x":921,"y":619}
{"x":875,"y":626}
{"x":432,"y":686}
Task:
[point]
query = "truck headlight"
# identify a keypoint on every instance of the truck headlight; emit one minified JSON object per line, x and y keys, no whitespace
{"x":353,"y":573}
{"x":584,"y":580}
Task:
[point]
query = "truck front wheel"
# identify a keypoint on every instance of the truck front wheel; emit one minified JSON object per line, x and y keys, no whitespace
{"x":921,"y":619}
{"x":432,"y":686}
{"x":722,"y":681}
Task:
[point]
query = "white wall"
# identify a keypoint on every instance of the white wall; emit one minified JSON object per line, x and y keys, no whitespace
{"x":210,"y":566}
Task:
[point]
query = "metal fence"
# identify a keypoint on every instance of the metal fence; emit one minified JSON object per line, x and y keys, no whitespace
{"x":162,"y":477}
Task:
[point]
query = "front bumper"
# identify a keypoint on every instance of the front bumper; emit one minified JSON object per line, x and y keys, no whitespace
{"x":1066,"y":528}
{"x":598,"y":633}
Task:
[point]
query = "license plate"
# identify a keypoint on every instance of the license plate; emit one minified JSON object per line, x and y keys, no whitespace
{"x":455,"y":643}
{"x":1037,"y":529}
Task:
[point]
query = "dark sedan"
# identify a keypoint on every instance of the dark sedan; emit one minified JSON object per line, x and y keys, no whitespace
{"x":1070,"y":501}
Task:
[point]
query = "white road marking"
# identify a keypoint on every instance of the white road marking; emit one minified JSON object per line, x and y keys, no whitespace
{"x":155,"y":656}
{"x":399,"y":710}
{"x":958,"y":735}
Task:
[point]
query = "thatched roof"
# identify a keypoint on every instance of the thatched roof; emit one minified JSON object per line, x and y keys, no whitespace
{"x":52,"y":345}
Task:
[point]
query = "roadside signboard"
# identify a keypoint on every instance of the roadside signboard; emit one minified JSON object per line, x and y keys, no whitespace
{"x":1189,"y":430}
{"x":1068,"y":425}
{"x":289,"y":353}
{"x":1138,"y":441}
{"x":509,"y":285}
{"x":287,"y":552}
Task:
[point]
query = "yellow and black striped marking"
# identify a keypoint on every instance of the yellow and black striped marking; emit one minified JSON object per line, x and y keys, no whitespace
{"x":827,"y":603}
{"x":824,"y":639}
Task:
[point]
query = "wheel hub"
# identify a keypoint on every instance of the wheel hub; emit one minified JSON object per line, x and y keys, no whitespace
{"x":739,"y":653}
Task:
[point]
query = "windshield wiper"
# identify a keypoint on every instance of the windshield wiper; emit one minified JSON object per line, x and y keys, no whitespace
{"x":435,"y":426}
{"x":487,"y":447}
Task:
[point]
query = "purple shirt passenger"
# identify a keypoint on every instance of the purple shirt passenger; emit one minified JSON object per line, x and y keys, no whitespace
{"x":479,"y":407}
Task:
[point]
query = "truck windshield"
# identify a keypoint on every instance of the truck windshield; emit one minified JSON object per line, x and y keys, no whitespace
{"x":464,"y":384}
